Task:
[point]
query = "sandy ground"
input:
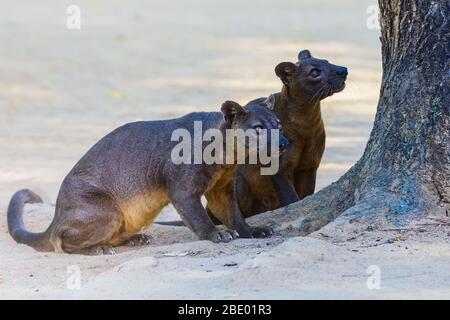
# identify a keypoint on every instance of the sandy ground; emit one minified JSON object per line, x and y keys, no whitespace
{"x":61,"y":90}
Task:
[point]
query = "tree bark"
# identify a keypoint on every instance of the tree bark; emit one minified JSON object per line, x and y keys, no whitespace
{"x":404,"y":173}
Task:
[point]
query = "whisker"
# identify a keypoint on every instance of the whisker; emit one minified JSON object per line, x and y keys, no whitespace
{"x":331,"y":90}
{"x":318,"y":93}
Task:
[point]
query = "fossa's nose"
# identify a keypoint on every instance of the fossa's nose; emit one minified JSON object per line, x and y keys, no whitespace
{"x":342,"y":71}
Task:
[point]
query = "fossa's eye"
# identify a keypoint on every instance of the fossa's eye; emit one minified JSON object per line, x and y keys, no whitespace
{"x":315,"y":73}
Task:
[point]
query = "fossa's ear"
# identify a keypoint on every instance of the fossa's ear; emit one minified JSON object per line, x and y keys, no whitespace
{"x":285,"y":70}
{"x":232,"y":110}
{"x":304,"y":54}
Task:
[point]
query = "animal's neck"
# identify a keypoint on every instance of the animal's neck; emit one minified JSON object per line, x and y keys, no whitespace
{"x":296,"y":110}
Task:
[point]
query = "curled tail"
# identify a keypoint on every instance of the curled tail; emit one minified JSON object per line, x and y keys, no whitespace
{"x":38,"y":241}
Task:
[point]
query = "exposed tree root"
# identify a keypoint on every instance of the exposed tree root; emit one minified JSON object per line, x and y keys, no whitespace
{"x":311,"y":213}
{"x":385,"y":200}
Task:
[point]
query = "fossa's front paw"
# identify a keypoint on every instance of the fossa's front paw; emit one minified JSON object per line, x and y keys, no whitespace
{"x":217,"y":235}
{"x":262,"y":232}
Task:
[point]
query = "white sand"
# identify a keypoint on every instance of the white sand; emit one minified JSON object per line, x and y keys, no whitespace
{"x":61,"y":91}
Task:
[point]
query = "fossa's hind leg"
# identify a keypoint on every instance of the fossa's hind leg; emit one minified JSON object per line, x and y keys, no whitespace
{"x":91,"y":229}
{"x":305,"y":182}
{"x":131,"y":239}
{"x":223,"y":206}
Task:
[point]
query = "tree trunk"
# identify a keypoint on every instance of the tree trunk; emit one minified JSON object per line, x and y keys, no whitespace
{"x":404,"y":172}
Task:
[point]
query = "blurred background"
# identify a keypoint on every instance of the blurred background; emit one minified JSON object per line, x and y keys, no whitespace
{"x":63,"y":89}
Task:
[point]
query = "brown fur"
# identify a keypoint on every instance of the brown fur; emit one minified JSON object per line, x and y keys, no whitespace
{"x":298,"y":108}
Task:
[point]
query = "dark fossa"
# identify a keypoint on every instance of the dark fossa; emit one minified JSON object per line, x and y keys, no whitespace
{"x":121,"y":184}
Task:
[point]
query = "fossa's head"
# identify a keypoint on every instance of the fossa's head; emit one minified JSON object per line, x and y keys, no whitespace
{"x":253,"y":119}
{"x":311,"y":79}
